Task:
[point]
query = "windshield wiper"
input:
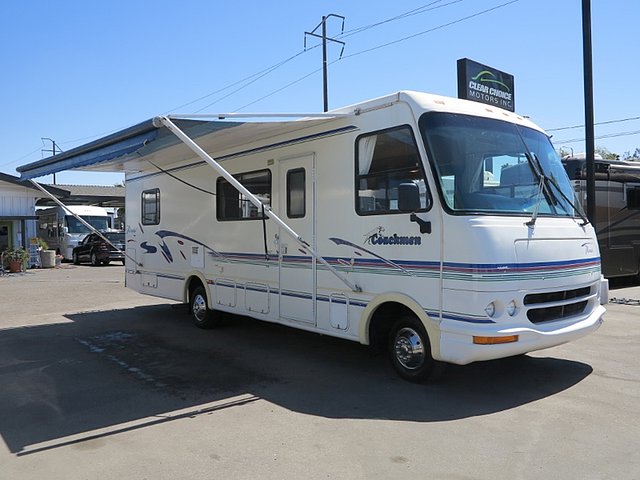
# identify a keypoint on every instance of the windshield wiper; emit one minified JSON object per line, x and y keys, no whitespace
{"x":542,"y":187}
{"x":544,"y":184}
{"x":534,"y":216}
{"x":585,"y":220}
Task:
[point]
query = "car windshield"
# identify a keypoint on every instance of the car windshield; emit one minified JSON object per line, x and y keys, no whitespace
{"x":487,"y":165}
{"x":115,"y":237}
{"x":97,"y":222}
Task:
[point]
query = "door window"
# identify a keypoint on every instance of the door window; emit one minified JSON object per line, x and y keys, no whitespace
{"x":384,"y":160}
{"x":296,"y":193}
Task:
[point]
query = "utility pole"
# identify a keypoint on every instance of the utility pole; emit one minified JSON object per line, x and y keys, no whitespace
{"x":324,"y":38}
{"x":588,"y":111}
{"x":52,"y":150}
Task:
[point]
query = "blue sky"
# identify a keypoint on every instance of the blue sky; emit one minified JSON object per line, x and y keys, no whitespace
{"x":76,"y":70}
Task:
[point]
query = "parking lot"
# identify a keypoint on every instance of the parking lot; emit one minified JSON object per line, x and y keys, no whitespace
{"x":97,"y":381}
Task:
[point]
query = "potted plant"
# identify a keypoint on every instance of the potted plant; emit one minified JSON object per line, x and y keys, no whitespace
{"x":16,"y":259}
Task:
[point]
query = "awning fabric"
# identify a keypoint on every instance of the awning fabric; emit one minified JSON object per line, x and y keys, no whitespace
{"x":123,"y":150}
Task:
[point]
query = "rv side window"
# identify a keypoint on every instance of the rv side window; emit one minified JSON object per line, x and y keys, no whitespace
{"x":232,"y":205}
{"x":296,"y":195}
{"x":384,"y":160}
{"x":151,"y":207}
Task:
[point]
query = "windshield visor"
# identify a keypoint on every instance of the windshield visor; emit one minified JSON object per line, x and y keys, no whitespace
{"x":492,"y":166}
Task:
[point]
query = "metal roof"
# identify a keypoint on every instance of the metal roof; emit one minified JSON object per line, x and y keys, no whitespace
{"x":4,"y":177}
{"x":98,"y":195}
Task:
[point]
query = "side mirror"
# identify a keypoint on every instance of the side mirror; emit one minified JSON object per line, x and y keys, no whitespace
{"x":633,"y":198}
{"x":408,"y":197}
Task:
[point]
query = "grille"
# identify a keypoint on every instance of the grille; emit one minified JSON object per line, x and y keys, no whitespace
{"x":550,"y":306}
{"x":548,"y":297}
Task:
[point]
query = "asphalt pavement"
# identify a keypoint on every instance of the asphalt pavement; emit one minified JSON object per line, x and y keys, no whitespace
{"x":98,"y":381}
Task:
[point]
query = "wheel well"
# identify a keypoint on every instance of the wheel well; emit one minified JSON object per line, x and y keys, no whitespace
{"x":381,"y":322}
{"x":193,"y":283}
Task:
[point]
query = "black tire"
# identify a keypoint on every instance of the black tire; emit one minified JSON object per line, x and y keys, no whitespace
{"x":94,"y":260}
{"x":410,"y":351}
{"x":202,"y":316}
{"x":74,"y":256}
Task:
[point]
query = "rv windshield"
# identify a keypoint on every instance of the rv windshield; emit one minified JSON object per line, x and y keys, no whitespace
{"x":492,"y":166}
{"x":98,"y":222}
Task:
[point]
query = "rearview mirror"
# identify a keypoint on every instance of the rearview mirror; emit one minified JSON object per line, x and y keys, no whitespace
{"x":408,"y":197}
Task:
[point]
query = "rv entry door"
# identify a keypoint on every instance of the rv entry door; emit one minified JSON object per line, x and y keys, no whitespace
{"x":297,"y":267}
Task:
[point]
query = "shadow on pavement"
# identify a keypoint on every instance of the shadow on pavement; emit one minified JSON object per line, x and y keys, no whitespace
{"x":124,"y":369}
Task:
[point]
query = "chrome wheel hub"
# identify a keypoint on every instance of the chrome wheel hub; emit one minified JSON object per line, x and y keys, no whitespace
{"x":409,"y":349}
{"x":199,"y":308}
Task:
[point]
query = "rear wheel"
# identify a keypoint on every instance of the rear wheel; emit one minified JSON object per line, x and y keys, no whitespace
{"x":94,"y":259}
{"x":202,"y":316}
{"x":410,"y":350}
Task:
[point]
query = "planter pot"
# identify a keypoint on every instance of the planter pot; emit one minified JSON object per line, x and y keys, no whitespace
{"x":15,"y":266}
{"x":48,"y":258}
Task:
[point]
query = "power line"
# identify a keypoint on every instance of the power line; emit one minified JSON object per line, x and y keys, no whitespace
{"x":599,"y":137}
{"x":410,"y":13}
{"x":608,"y":122}
{"x":261,"y":74}
{"x":468,"y":17}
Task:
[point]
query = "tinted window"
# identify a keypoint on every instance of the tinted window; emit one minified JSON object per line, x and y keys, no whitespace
{"x":232,"y":205}
{"x":151,"y":207}
{"x":296,"y":195}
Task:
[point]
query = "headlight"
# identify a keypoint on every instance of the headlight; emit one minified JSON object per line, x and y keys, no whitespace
{"x":490,"y":309}
{"x":511,"y":308}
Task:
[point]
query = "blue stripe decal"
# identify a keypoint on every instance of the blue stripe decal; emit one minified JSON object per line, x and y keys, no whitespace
{"x":325,"y":298}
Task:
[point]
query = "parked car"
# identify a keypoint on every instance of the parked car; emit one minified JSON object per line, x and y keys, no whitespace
{"x":95,"y":250}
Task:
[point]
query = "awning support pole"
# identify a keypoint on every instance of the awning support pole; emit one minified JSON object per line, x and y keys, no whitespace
{"x":78,"y":217}
{"x":164,"y":121}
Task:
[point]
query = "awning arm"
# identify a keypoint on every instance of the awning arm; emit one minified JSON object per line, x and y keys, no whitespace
{"x":79,"y":218}
{"x":165,"y":121}
{"x":222,"y":116}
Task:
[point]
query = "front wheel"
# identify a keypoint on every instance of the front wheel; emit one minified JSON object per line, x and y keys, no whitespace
{"x":410,"y":350}
{"x":76,"y":261}
{"x":202,"y":316}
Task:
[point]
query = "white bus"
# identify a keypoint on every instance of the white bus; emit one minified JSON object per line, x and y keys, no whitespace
{"x":438,"y":229}
{"x":62,"y":231}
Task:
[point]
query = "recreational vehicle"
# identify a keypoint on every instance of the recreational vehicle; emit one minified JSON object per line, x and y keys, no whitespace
{"x":617,"y":211}
{"x":62,"y":230}
{"x":437,"y":229}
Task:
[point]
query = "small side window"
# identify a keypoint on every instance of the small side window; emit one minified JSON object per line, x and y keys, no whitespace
{"x":296,"y":193}
{"x":151,"y":207}
{"x":385,"y":160}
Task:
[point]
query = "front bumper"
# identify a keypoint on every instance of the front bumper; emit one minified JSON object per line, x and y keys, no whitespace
{"x":456,"y":341}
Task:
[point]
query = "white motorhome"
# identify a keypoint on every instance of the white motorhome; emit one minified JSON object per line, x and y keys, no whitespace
{"x":437,"y":228}
{"x":63,"y":231}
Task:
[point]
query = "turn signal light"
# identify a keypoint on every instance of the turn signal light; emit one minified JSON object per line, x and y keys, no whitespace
{"x":494,"y":340}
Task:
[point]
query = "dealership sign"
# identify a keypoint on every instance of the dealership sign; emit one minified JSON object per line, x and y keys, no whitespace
{"x":485,"y":84}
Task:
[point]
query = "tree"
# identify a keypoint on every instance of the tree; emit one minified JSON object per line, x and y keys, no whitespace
{"x":606,"y":154}
{"x":634,"y":157}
